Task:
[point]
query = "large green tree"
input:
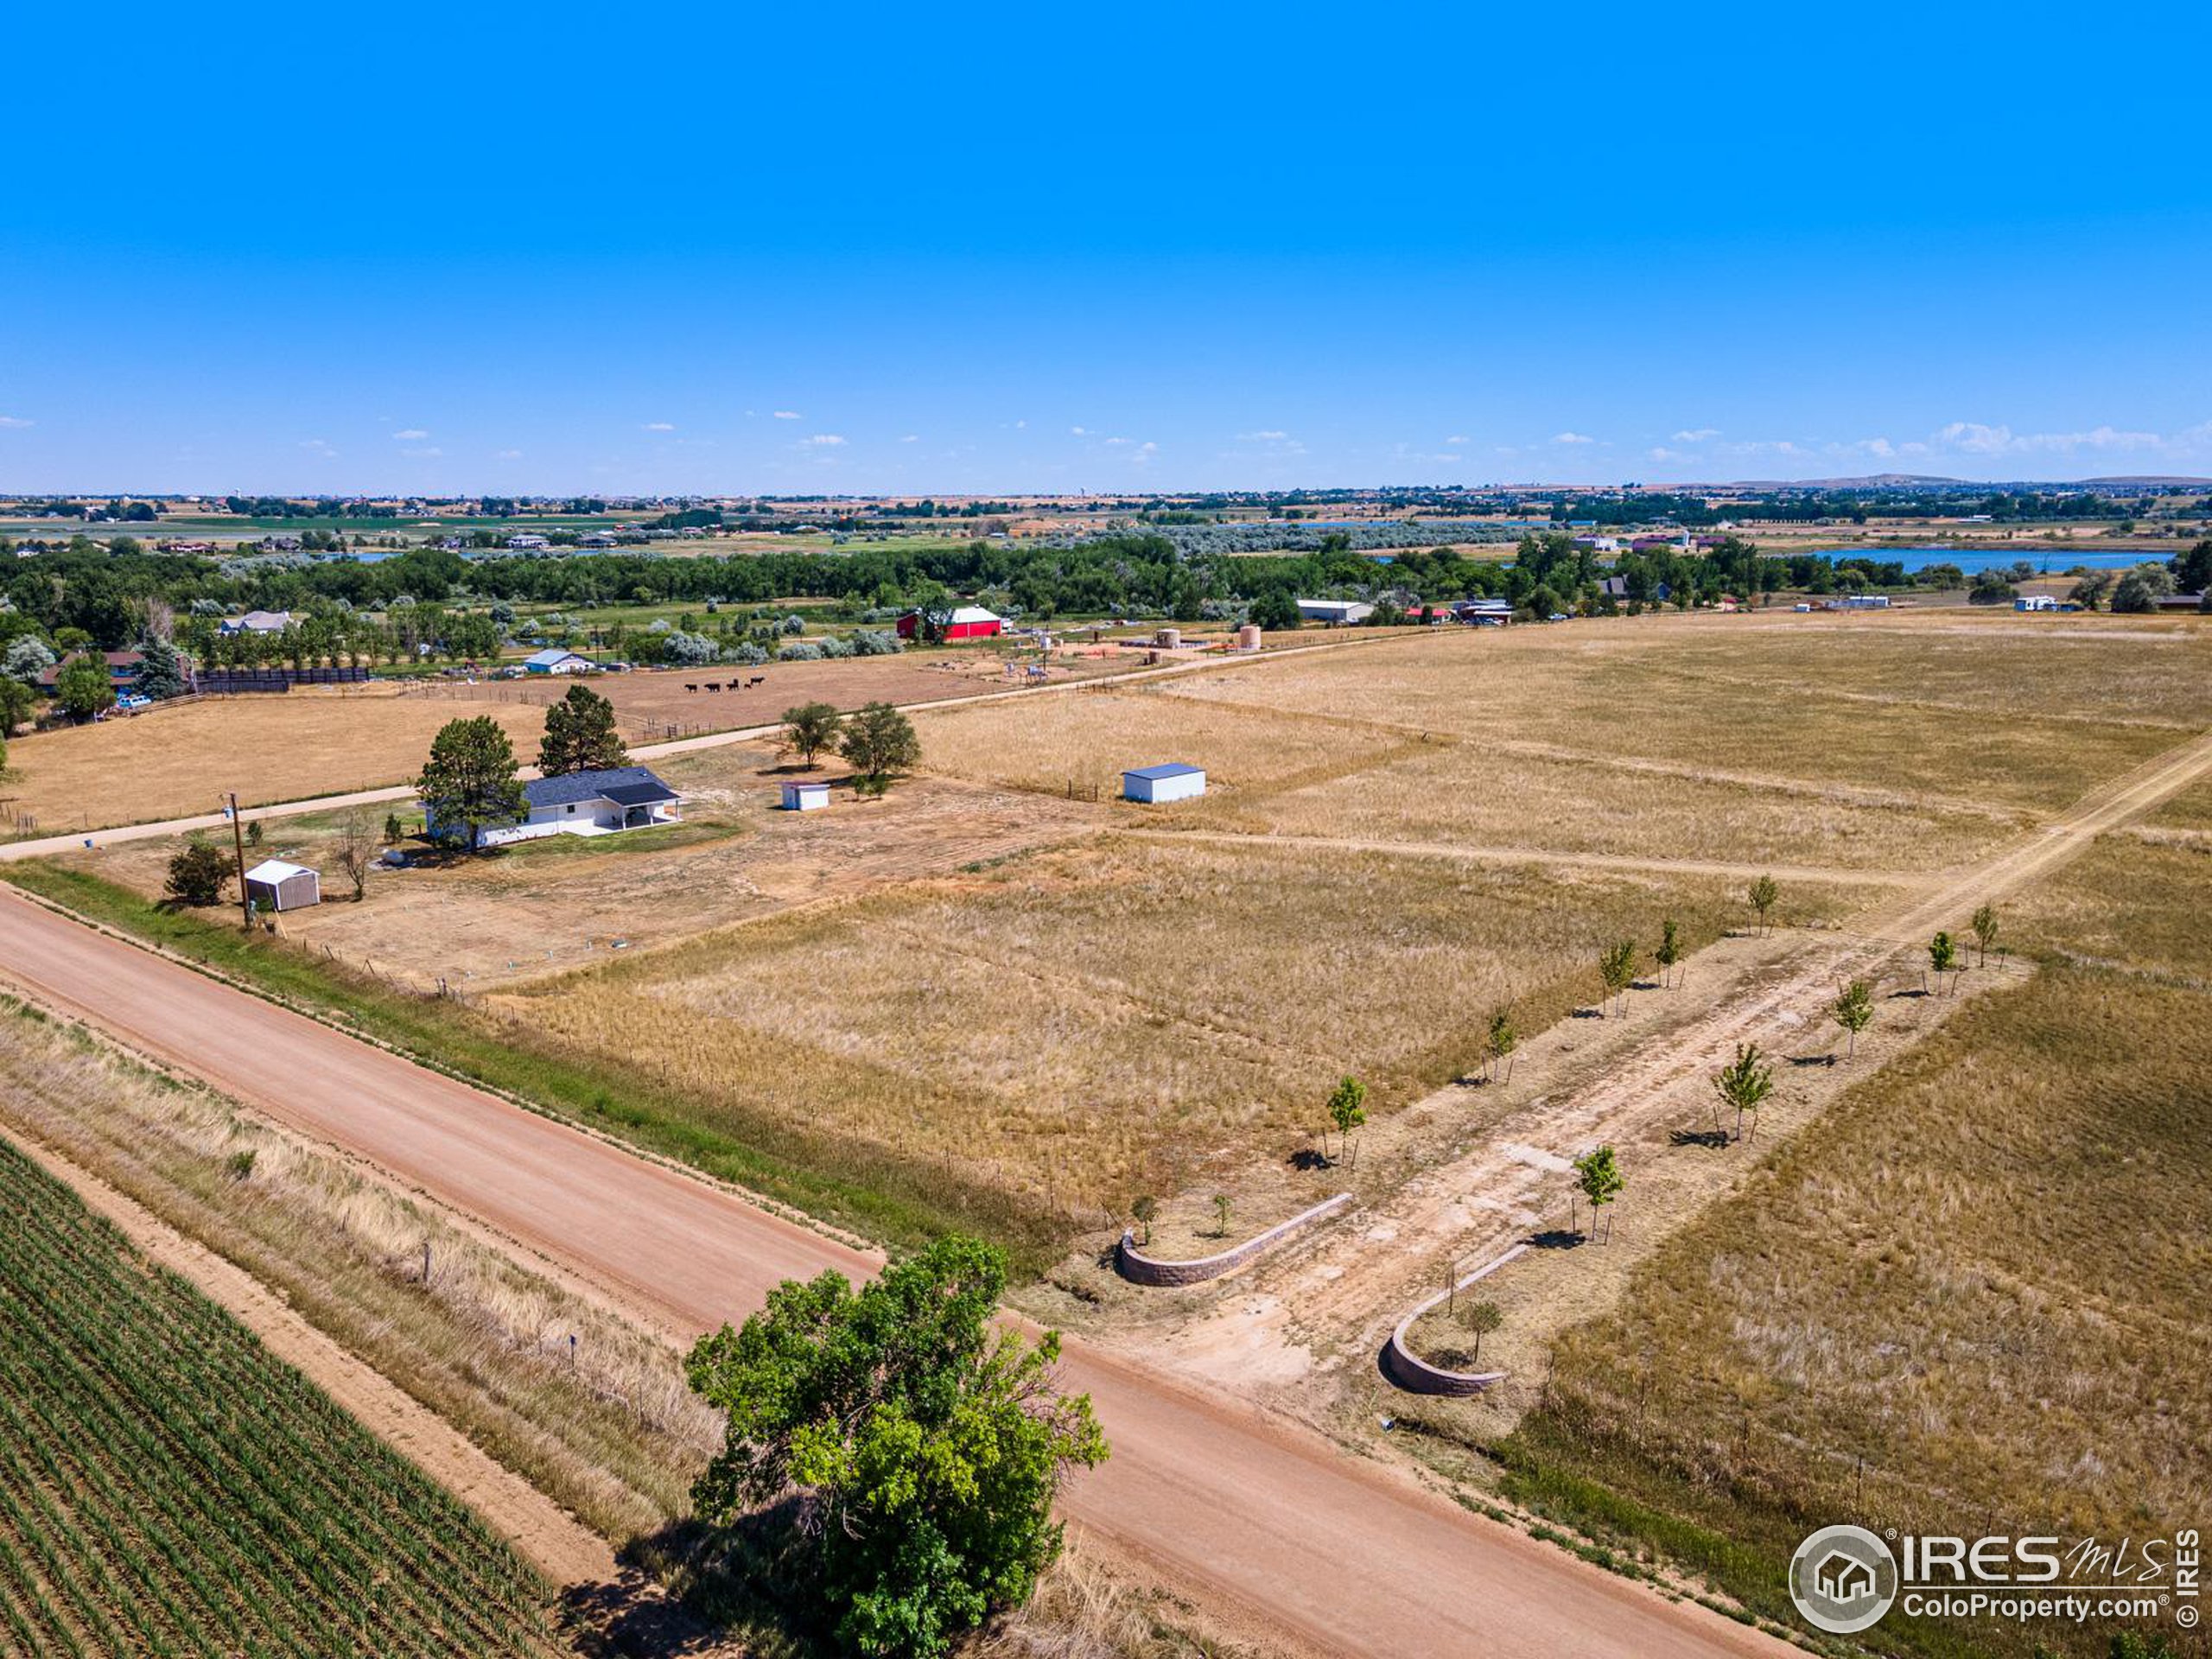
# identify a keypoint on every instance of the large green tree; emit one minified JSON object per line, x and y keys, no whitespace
{"x":919,"y":1448}
{"x":879,"y":742}
{"x":469,"y":784}
{"x":809,"y":728}
{"x":581,"y":735}
{"x":83,"y":687}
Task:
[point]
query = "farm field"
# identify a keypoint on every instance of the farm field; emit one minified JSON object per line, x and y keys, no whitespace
{"x":1123,"y":1015}
{"x":1973,"y":1290}
{"x":323,"y":740}
{"x":167,"y":1486}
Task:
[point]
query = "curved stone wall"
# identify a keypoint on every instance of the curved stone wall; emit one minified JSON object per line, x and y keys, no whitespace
{"x":1143,"y":1269}
{"x":1415,"y":1374}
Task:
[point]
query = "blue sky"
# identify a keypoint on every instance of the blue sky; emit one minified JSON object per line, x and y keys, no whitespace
{"x":548,"y":249}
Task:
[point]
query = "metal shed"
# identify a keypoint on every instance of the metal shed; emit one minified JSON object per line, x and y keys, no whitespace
{"x":1172,"y":782}
{"x":805,"y":797}
{"x":275,"y":885}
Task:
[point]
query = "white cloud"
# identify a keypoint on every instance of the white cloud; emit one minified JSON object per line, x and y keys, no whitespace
{"x":1663,"y":454}
{"x":14,"y":422}
{"x":430,"y":453}
{"x":1571,"y":437}
{"x":319,"y":446}
{"x":1270,"y":436}
{"x":1021,"y":426}
{"x":789,"y":415}
{"x":660,"y":426}
{"x":1116,"y":443}
{"x":509,"y":454}
{"x":1076,"y":431}
{"x":410,"y":435}
{"x":826,"y":439}
{"x":1457,"y":437}
{"x":1695,"y":434}
{"x":911,"y":437}
{"x":1971,"y":437}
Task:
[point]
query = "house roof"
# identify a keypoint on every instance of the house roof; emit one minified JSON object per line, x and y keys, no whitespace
{"x":1172,"y":769}
{"x":624,"y":786}
{"x":261,"y":622}
{"x":273,"y":870}
{"x":974,"y":613}
{"x":553,"y":654}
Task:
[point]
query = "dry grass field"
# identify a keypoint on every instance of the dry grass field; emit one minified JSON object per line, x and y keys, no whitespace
{"x":1083,"y":1024}
{"x":324,"y":741}
{"x":1970,"y":1298}
{"x":549,"y":905}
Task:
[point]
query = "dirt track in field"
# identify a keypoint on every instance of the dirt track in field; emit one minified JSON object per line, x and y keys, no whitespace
{"x":1336,"y":1553}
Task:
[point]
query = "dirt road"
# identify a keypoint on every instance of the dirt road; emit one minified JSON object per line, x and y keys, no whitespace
{"x":1340,"y":1555}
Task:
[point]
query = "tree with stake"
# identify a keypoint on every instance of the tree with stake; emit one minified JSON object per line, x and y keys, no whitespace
{"x":1617,"y":968}
{"x":1481,"y":1318}
{"x":356,"y":850}
{"x":1502,"y":1040}
{"x":581,"y":735}
{"x":469,"y":784}
{"x":1744,"y":1083}
{"x":1984,"y":931}
{"x":1347,"y":1111}
{"x":1942,"y":956}
{"x":1144,"y":1209}
{"x":1221,"y":1209}
{"x":917,"y":1447}
{"x":809,"y":728}
{"x":1669,"y":951}
{"x":1853,"y":1010}
{"x":1762,"y":896}
{"x":1598,"y":1176}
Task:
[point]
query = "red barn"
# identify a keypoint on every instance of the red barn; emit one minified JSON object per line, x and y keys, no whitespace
{"x":969,"y":622}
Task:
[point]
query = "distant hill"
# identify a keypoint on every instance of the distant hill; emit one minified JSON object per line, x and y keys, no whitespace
{"x":2149,"y":482}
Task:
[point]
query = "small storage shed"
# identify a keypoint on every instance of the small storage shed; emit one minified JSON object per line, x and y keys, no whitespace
{"x":805,"y":797}
{"x":1158,"y":784}
{"x":275,"y":885}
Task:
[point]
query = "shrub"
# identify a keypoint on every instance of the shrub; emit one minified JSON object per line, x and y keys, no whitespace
{"x":197,"y":874}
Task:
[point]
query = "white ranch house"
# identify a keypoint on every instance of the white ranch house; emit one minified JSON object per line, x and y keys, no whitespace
{"x":587,"y":803}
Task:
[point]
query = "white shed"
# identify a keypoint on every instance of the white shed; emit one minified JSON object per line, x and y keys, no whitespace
{"x":1158,"y":784}
{"x":805,"y":797}
{"x":275,"y":885}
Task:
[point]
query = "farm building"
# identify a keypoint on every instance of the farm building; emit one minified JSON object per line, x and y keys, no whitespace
{"x":969,"y":622}
{"x":1159,"y":785}
{"x":587,"y":803}
{"x":805,"y":797}
{"x":2035,"y":602}
{"x":273,"y":885}
{"x":554,"y":660}
{"x":1864,"y":602}
{"x":124,"y":668}
{"x":1334,"y":612}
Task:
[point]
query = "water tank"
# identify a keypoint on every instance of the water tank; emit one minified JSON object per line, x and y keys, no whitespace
{"x":1248,"y":637}
{"x":1167,"y":639}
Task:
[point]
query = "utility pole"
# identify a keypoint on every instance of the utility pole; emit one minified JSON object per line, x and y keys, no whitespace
{"x":237,"y":840}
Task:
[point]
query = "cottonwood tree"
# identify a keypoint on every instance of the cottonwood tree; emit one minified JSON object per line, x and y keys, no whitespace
{"x":1504,"y":1039}
{"x":916,"y":1448}
{"x":1745,"y":1083}
{"x":1143,"y":1210}
{"x":880,"y":744}
{"x":1853,"y":1009}
{"x":581,"y":735}
{"x":1762,"y":896}
{"x":1597,"y":1176}
{"x":83,"y":687}
{"x":356,"y":850}
{"x":196,"y":875}
{"x":1985,"y":929}
{"x":1669,"y":951}
{"x":1617,"y":969}
{"x":1942,"y":956}
{"x":1347,"y":1109}
{"x":1481,"y":1318}
{"x":469,"y":783}
{"x":809,"y":728}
